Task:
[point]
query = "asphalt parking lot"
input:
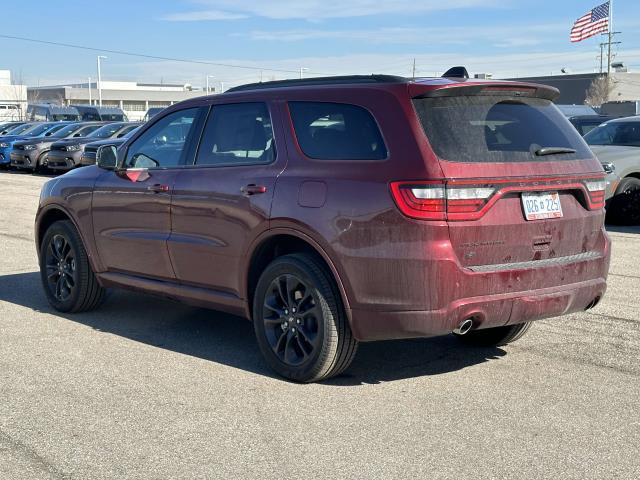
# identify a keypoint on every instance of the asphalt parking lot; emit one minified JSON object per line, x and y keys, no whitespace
{"x":148,"y":388}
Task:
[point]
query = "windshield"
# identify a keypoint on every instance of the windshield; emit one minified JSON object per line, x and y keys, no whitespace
{"x":625,"y":134}
{"x":68,"y":130}
{"x":39,"y":130}
{"x":54,"y":130}
{"x":21,"y":129}
{"x":495,"y":128}
{"x":70,"y":117}
{"x":116,"y":117}
{"x":106,"y":131}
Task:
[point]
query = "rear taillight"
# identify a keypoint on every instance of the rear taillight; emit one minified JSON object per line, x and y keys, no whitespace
{"x":436,"y":201}
{"x":596,"y":189}
{"x":468,"y":200}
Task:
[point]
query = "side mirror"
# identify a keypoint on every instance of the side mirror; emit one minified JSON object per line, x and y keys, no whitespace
{"x":107,"y":157}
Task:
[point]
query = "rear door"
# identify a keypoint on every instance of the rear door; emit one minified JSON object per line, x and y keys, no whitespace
{"x":521,"y":184}
{"x":222,"y":202}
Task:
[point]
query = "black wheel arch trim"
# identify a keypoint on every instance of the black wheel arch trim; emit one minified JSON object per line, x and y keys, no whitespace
{"x":42,"y":213}
{"x":273,"y":232}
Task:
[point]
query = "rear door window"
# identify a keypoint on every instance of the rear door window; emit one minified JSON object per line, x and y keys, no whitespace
{"x":487,"y":128}
{"x":336,"y":131}
{"x":237,"y":134}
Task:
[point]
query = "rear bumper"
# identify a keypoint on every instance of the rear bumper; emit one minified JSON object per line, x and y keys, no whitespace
{"x":486,"y":311}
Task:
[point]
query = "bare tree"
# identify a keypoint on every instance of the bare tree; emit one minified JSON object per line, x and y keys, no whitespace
{"x":598,"y":92}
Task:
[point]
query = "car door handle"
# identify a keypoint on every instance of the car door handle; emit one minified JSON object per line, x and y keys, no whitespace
{"x":253,"y":189}
{"x":158,"y":188}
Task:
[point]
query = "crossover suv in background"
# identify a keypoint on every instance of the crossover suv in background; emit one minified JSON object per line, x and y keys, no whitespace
{"x":88,"y":156}
{"x":616,"y":143}
{"x":47,"y":112}
{"x":6,"y":127}
{"x":25,"y":132}
{"x":339,"y":210}
{"x":97,"y":113}
{"x":32,"y":154}
{"x":67,"y":154}
{"x":585,"y":123}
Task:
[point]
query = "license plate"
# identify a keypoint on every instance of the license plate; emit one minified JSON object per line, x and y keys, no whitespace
{"x":541,"y":205}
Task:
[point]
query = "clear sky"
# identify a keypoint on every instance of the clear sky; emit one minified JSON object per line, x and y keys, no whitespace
{"x":503,"y":37}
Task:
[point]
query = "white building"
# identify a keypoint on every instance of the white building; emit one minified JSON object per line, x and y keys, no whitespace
{"x":132,"y":97}
{"x":13,"y":98}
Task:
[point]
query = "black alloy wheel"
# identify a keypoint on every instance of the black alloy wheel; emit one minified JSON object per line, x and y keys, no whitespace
{"x":291,"y":319}
{"x":60,"y":264}
{"x":69,"y":283}
{"x":300,"y":322}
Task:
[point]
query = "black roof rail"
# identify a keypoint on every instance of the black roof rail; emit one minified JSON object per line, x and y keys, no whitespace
{"x":456,"y":72}
{"x":304,"y":82}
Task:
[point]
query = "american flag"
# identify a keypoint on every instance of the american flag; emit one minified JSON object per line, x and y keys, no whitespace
{"x":592,"y":23}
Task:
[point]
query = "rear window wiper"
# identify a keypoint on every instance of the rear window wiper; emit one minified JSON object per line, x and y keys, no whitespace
{"x":553,"y":151}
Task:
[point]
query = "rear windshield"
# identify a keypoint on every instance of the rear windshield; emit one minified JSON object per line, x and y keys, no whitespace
{"x":487,"y":128}
{"x":615,"y":133}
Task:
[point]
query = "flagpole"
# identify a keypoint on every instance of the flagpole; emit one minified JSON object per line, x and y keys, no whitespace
{"x":610,"y":39}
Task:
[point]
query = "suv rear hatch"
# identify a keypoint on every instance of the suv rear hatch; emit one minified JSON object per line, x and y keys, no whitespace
{"x":518,"y":182}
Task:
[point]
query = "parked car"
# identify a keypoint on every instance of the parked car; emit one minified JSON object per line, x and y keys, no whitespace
{"x":617,"y":144}
{"x":152,"y":112}
{"x":621,"y":109}
{"x":337,"y":210}
{"x":8,"y":126}
{"x":33,"y":154}
{"x":67,"y":154}
{"x":24,"y":132}
{"x":88,"y":156}
{"x":47,"y":112}
{"x":96,"y":113}
{"x":585,"y":123}
{"x":576,"y":110}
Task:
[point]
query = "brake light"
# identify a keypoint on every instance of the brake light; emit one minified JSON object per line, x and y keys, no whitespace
{"x":596,"y":189}
{"x":462,"y":200}
{"x":433,"y":201}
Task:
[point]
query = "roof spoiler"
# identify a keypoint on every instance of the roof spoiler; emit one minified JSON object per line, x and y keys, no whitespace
{"x":456,"y":72}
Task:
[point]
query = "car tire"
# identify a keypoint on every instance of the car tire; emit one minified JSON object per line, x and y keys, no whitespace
{"x":624,"y":206}
{"x":495,"y":337}
{"x":38,"y":167}
{"x":68,"y":280}
{"x":300,"y":322}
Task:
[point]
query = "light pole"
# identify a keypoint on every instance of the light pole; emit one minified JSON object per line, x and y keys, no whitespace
{"x":302,"y":70}
{"x":89,"y":90}
{"x":100,"y":57}
{"x":208,"y":77}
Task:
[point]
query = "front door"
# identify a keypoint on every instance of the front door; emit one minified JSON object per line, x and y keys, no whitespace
{"x":131,"y":206}
{"x":223,"y":201}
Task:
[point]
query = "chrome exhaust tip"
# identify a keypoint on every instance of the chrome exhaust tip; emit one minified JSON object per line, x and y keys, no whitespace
{"x":464,"y":327}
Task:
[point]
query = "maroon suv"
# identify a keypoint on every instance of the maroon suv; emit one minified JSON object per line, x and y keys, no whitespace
{"x":338,"y":210}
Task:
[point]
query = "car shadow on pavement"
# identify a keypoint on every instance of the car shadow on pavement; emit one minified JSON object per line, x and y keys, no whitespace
{"x":622,"y":229}
{"x":229,"y":340}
